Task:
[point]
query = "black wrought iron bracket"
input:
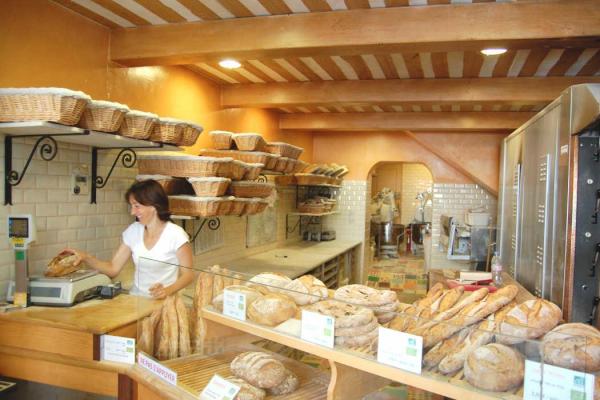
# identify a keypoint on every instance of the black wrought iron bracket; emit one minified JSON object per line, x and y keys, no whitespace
{"x":262,"y":179}
{"x":289,"y":230}
{"x":47,"y":149}
{"x":212,"y":223}
{"x":127,"y":157}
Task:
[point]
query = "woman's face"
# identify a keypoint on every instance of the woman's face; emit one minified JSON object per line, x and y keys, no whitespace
{"x":144,"y":214}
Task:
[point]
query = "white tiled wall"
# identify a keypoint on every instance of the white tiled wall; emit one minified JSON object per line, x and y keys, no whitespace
{"x":454,"y":200}
{"x":416,"y":178}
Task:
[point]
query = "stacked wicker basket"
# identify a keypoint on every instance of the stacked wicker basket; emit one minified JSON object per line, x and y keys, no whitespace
{"x":70,"y":107}
{"x":207,"y":186}
{"x":322,"y":175}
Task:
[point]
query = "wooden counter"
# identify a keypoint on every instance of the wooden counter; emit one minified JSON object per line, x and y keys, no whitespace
{"x":61,"y":346}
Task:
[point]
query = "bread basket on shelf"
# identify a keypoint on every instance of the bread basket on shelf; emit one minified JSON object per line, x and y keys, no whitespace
{"x":103,"y":116}
{"x":221,"y":140}
{"x":254,"y":206}
{"x":58,"y":105}
{"x":171,"y":186}
{"x":209,"y":186}
{"x":237,"y":207}
{"x":183,"y":165}
{"x":281,"y":164}
{"x":251,"y":189}
{"x":300,"y":166}
{"x":284,"y":149}
{"x":303,"y":179}
{"x":168,"y":130}
{"x":138,"y":124}
{"x":253,"y":171}
{"x":249,"y":141}
{"x":237,"y":170}
{"x":245,"y":156}
{"x":199,"y":206}
{"x":190,"y":134}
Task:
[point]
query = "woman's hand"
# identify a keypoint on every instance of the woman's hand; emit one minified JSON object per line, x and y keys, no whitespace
{"x":158,"y":291}
{"x":80,"y":256}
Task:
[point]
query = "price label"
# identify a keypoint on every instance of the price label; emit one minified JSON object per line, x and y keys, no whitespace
{"x":234,"y":304}
{"x":164,"y":373}
{"x":548,"y":382}
{"x":117,"y":349}
{"x":219,"y":389}
{"x":318,"y":328}
{"x":400,"y":350}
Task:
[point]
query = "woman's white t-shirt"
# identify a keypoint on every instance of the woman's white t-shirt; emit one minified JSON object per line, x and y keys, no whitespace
{"x":158,"y":264}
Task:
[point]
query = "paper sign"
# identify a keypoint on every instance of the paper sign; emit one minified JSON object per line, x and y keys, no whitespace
{"x":157,"y":369}
{"x":318,"y":328}
{"x":557,"y":383}
{"x":234,"y":304}
{"x":219,"y":389}
{"x":400,"y":350}
{"x":117,"y":348}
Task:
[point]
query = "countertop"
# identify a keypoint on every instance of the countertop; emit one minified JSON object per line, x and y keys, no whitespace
{"x":292,"y":260}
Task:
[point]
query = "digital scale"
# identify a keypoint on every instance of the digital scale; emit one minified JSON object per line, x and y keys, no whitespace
{"x":63,"y":291}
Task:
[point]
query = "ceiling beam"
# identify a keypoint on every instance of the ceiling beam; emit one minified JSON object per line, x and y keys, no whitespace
{"x":413,"y":121}
{"x":435,"y":91}
{"x":383,"y":30}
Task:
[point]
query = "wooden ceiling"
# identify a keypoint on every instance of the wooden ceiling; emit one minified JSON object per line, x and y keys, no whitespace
{"x":351,"y":64}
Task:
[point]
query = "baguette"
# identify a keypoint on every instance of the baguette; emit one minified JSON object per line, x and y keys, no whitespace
{"x":455,"y":360}
{"x":437,"y":353}
{"x":218,"y":283}
{"x":448,"y":299}
{"x":162,"y":349}
{"x":227,"y":277}
{"x":183,"y":321}
{"x":173,"y":345}
{"x":146,"y":337}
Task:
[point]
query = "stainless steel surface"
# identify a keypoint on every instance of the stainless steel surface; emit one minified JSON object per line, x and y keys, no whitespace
{"x":540,"y":194}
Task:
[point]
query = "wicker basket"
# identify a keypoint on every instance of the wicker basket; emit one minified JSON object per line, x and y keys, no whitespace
{"x":221,"y":140}
{"x":271,"y":161}
{"x":182,"y":165}
{"x":103,"y":116}
{"x":138,"y":124}
{"x":172,"y":186}
{"x":168,"y":130}
{"x":225,"y":205}
{"x":209,"y":186}
{"x":290,"y":166}
{"x":198,"y":206}
{"x":237,"y":207}
{"x":282,"y":163}
{"x":59,"y":105}
{"x":300,"y":166}
{"x":251,"y":189}
{"x":284,"y":149}
{"x":255,"y":206}
{"x":312,"y":208}
{"x":249,"y":141}
{"x":190,"y":134}
{"x":238,"y":170}
{"x":252,"y":157}
{"x":253,"y":171}
{"x":311,"y":180}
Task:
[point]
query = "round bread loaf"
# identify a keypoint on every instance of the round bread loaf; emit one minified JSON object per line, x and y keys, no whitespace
{"x":247,"y":391}
{"x":494,"y":367}
{"x":346,"y":315}
{"x":306,"y":290}
{"x":365,"y":296}
{"x":273,"y":281}
{"x":259,"y":369}
{"x":271,"y":309}
{"x":289,"y":384}
{"x":357,"y":340}
{"x":358,"y":330}
{"x":529,"y":320}
{"x":573,"y":346}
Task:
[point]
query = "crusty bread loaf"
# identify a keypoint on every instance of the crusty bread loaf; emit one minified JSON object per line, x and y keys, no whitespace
{"x":259,"y":369}
{"x":454,"y":360}
{"x":427,"y":301}
{"x":218,"y":282}
{"x":272,"y":281}
{"x":306,"y":290}
{"x":358,"y":330}
{"x":447,"y":299}
{"x":183,"y":322}
{"x":289,"y":384}
{"x":357,"y":340}
{"x":346,"y":315}
{"x":437,"y":353}
{"x":438,"y":287}
{"x":251,"y":295}
{"x":271,"y":309}
{"x":365,"y":295}
{"x":529,"y":320}
{"x":573,"y":346}
{"x":162,"y":338}
{"x":145,"y":342}
{"x":62,"y":265}
{"x":494,"y":367}
{"x":173,"y":327}
{"x":247,"y":391}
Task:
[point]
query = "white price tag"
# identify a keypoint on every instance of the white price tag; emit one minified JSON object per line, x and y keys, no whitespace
{"x":400,"y":350}
{"x":164,"y":373}
{"x":318,"y":328}
{"x":549,"y":382}
{"x":117,"y":348}
{"x":219,"y":389}
{"x":234,"y":304}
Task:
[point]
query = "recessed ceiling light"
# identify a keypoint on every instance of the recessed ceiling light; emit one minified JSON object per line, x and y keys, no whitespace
{"x":493,"y":51}
{"x":230,"y":63}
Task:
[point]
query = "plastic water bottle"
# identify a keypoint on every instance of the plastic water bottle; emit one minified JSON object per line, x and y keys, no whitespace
{"x":496,"y":270}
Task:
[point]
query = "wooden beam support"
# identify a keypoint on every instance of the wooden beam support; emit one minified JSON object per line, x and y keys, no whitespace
{"x":415,"y":121}
{"x":413,"y":91}
{"x":370,"y":31}
{"x":453,"y":162}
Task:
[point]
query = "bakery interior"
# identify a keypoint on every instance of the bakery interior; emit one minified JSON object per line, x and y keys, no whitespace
{"x":364,"y":165}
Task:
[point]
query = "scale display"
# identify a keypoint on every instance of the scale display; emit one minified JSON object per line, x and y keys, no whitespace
{"x":18,"y":227}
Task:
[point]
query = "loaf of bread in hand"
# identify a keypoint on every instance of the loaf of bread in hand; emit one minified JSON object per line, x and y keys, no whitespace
{"x":495,"y":367}
{"x":573,"y":346}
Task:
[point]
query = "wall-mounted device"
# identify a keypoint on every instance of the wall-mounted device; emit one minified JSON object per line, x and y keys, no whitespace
{"x":21,"y":232}
{"x":80,"y":180}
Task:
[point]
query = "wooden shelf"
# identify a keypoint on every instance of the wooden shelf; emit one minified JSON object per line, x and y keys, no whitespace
{"x":450,"y":386}
{"x":313,"y":214}
{"x":75,"y":135}
{"x":322,"y":185}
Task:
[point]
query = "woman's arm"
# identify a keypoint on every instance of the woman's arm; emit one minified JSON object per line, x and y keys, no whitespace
{"x":186,"y":274}
{"x":110,"y":268}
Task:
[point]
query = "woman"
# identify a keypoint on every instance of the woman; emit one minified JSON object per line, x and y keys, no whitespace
{"x":160,"y":249}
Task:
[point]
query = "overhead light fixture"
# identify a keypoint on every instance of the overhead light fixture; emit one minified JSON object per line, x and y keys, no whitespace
{"x":230,"y":63}
{"x":493,"y":51}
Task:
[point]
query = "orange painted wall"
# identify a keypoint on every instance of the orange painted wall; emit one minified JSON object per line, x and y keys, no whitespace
{"x":44,"y":44}
{"x":478,"y":153}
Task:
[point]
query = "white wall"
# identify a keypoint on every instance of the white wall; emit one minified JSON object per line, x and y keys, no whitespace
{"x":416,"y":178}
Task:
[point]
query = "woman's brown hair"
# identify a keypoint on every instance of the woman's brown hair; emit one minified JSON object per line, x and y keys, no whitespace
{"x":150,"y":193}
